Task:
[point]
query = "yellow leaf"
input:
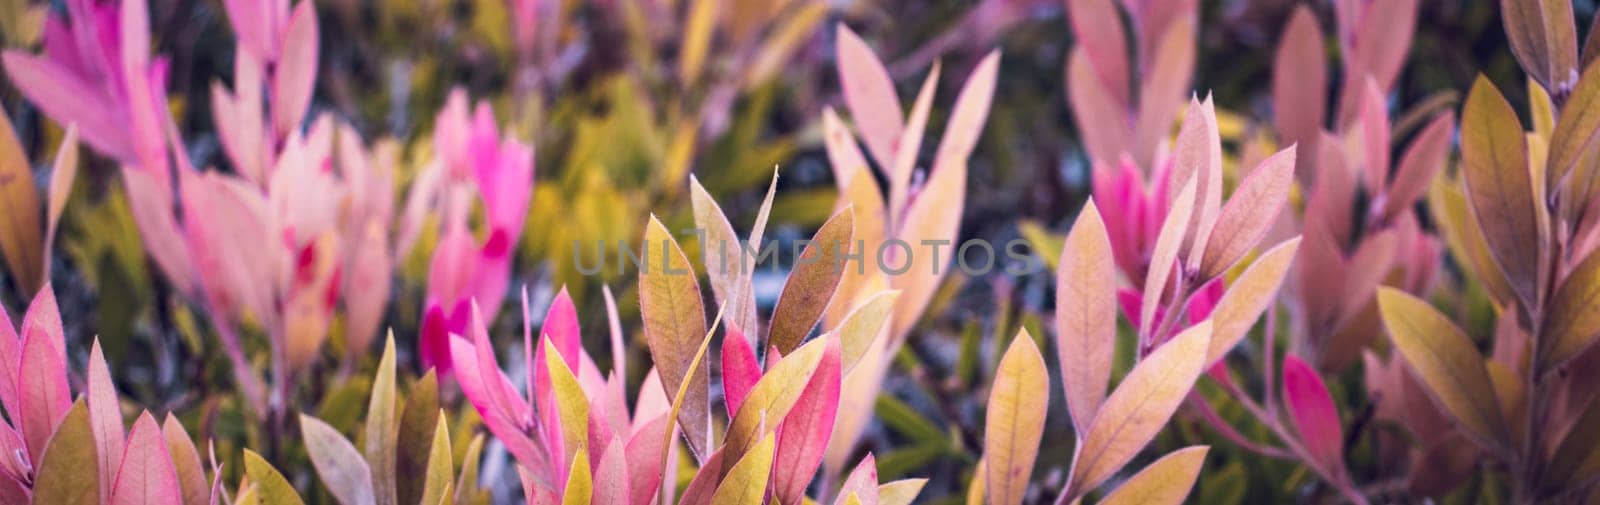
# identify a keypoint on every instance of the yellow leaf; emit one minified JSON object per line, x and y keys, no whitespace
{"x":1138,"y":408}
{"x":61,"y":476}
{"x":572,"y":405}
{"x":1249,"y":295}
{"x":900,"y":492}
{"x":19,"y":206}
{"x":1164,"y":255}
{"x":747,"y":480}
{"x":1573,"y":318}
{"x":862,"y":327}
{"x":1446,"y":361}
{"x":1495,"y":164}
{"x":696,"y":40}
{"x":1165,"y":482}
{"x":1015,"y":423}
{"x":270,"y":486}
{"x":436,"y":485}
{"x":674,"y":322}
{"x":580,"y":484}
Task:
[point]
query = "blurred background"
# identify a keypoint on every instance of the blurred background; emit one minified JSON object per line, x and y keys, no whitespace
{"x":620,"y":109}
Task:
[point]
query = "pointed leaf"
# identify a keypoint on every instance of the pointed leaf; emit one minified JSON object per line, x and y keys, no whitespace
{"x":772,"y":399}
{"x":383,"y":428}
{"x":674,"y":324}
{"x":900,"y":492}
{"x":1544,"y":39}
{"x":869,"y":92}
{"x":1300,"y":83}
{"x":1139,"y":407}
{"x":1165,"y":482}
{"x":1249,"y":213}
{"x":803,"y":437}
{"x":19,"y":201}
{"x":1495,"y":163}
{"x":414,"y":438}
{"x":1164,"y":256}
{"x":1573,"y":320}
{"x":862,"y":326}
{"x":1445,"y":360}
{"x":722,"y":253}
{"x":1248,"y":297}
{"x":1015,"y":421}
{"x":1420,"y":164}
{"x":579,"y":489}
{"x":1086,"y":315}
{"x":186,"y":461}
{"x":436,"y":484}
{"x":1313,"y":412}
{"x":296,"y":69}
{"x":746,"y":482}
{"x":270,"y":486}
{"x":60,"y":478}
{"x":572,"y":406}
{"x":105,"y":414}
{"x":812,"y":283}
{"x":338,"y":463}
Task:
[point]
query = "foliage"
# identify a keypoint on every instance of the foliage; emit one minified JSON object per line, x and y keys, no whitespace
{"x":1272,"y":260}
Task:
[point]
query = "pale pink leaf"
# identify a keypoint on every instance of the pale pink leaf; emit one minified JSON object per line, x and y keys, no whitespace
{"x":338,"y":463}
{"x":1086,"y":315}
{"x":105,"y":416}
{"x":146,"y":473}
{"x":1164,"y":257}
{"x":1250,"y":212}
{"x":296,"y":70}
{"x":870,"y":94}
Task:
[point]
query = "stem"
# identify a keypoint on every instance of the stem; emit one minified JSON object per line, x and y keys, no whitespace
{"x":1210,"y":416}
{"x":249,"y":384}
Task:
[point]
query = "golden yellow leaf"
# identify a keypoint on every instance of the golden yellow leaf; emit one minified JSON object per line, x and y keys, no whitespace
{"x":1018,"y":402}
{"x":1446,"y":361}
{"x":1165,"y":482}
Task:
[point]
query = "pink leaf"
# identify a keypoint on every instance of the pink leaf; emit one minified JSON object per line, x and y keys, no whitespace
{"x":870,"y":94}
{"x":863,"y":482}
{"x":42,"y":382}
{"x":105,"y":416}
{"x":1375,"y":135}
{"x":1300,"y":85}
{"x":69,"y":100}
{"x":296,"y":71}
{"x":1421,"y":161}
{"x":1314,"y":414}
{"x":146,"y":474}
{"x":740,"y":368}
{"x":803,"y":436}
{"x":644,"y":459}
{"x":1249,"y":213}
{"x":1098,"y":30}
{"x":506,"y":426}
{"x":1086,"y":315}
{"x":611,"y":484}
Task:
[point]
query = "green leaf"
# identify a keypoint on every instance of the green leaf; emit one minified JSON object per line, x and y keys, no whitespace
{"x":1446,"y":361}
{"x":382,"y":428}
{"x":270,"y":486}
{"x":417,"y":425}
{"x":66,"y":472}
